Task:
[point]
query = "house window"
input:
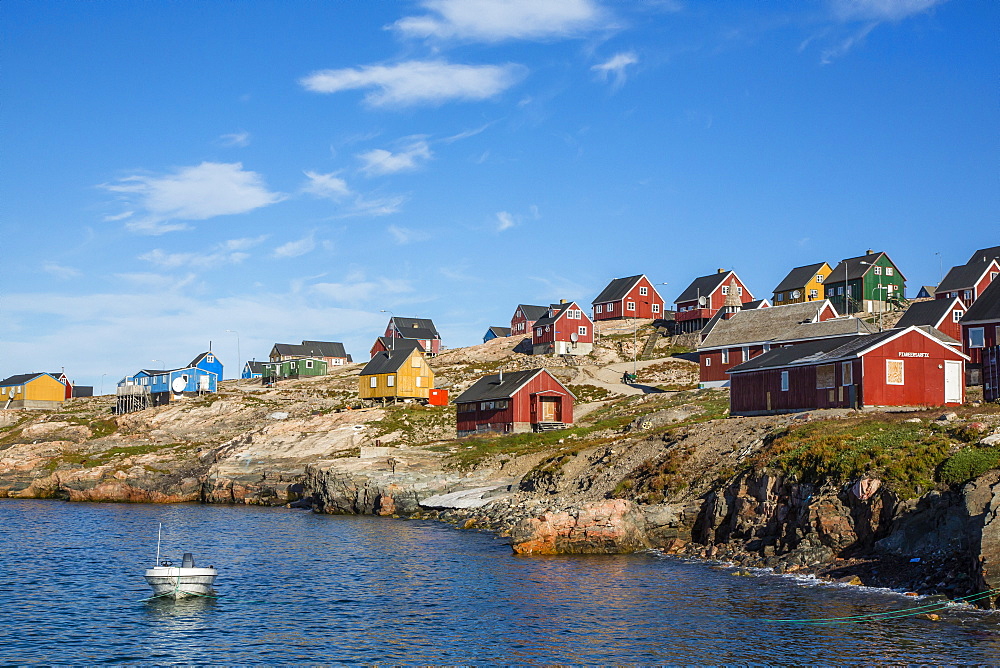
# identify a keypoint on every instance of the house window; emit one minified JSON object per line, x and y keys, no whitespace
{"x":599,"y":307}
{"x":415,"y":362}
{"x":826,"y":376}
{"x":746,"y":353}
{"x":813,"y":294}
{"x":767,"y":347}
{"x":894,"y":372}
{"x":877,"y":270}
{"x":725,"y":357}
{"x":819,"y":278}
{"x":538,"y":331}
{"x":643,"y":291}
{"x":968,"y":296}
{"x":888,"y":271}
{"x":630,"y":306}
{"x":390,"y":380}
{"x":309,"y":364}
{"x":708,"y":361}
{"x":739,"y":291}
{"x":784,"y":381}
{"x":725,"y":289}
{"x":977,"y":337}
{"x":420,"y":381}
{"x":578,"y":314}
{"x":780,"y":297}
{"x":466,"y":408}
{"x":957,"y":315}
{"x":846,"y":373}
{"x":373,"y":381}
{"x":656,"y":308}
{"x":581,"y":330}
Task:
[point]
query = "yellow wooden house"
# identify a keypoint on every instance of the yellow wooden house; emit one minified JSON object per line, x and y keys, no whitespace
{"x":396,"y":374}
{"x":32,"y":390}
{"x":802,"y":284}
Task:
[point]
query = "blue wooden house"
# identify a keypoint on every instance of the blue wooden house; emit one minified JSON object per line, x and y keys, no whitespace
{"x":252,"y":369}
{"x":155,"y":387}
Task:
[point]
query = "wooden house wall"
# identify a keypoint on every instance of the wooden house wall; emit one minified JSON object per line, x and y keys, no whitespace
{"x":40,"y":388}
{"x":404,"y":382}
{"x":748,"y":392}
{"x":923,"y":377}
{"x":520,"y":407}
{"x":991,"y":337}
{"x":564,"y":328}
{"x":520,"y":325}
{"x":643,"y":304}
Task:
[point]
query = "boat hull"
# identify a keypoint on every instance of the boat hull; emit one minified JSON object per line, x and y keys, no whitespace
{"x":174,"y":582}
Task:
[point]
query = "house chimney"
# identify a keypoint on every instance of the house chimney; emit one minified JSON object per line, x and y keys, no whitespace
{"x":721,"y":270}
{"x":869,"y":252}
{"x":562,"y":301}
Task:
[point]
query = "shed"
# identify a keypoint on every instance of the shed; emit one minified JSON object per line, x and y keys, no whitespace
{"x":515,"y":402}
{"x":396,"y":374}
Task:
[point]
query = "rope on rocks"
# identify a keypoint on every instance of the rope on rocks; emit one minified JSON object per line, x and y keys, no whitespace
{"x":894,"y":614}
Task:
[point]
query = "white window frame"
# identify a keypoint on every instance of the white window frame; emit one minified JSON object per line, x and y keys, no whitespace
{"x":784,"y":381}
{"x":956,"y":315}
{"x":725,"y":289}
{"x":373,"y":382}
{"x":888,"y":271}
{"x":581,"y":330}
{"x":656,"y":308}
{"x":846,"y":373}
{"x":981,"y":336}
{"x":814,"y":293}
{"x":309,"y":364}
{"x":629,"y":306}
{"x":767,"y":347}
{"x":725,"y":356}
{"x":643,"y":290}
{"x":739,"y":291}
{"x":420,"y":381}
{"x":390,"y":380}
{"x":968,"y":295}
{"x":819,"y":278}
{"x":538,"y":332}
{"x":877,"y":270}
{"x":598,"y":308}
{"x":708,"y":361}
{"x":889,"y":363}
{"x":746,"y":353}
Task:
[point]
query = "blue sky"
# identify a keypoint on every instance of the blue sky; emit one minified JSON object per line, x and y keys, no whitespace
{"x":289,"y":170}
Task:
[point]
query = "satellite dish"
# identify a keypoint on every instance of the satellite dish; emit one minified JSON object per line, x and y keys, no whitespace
{"x":11,"y":393}
{"x":178,"y":385}
{"x":796,"y":294}
{"x":702,"y":301}
{"x":574,"y":337}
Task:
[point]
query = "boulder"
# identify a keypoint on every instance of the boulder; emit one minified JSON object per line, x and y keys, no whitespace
{"x":602,"y":527}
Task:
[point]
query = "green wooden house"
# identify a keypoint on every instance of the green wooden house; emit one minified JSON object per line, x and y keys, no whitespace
{"x":299,"y":367}
{"x":870,"y":283}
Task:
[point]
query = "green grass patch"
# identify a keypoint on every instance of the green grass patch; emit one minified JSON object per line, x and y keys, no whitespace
{"x":415,"y":422}
{"x":968,"y":464}
{"x":586,"y":394}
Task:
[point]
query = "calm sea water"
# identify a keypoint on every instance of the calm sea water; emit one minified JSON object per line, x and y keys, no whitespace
{"x":299,"y":588}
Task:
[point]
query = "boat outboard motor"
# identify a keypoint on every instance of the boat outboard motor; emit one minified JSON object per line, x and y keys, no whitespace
{"x":188,"y":560}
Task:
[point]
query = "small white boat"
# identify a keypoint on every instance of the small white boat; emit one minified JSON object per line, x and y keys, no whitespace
{"x":184,"y":581}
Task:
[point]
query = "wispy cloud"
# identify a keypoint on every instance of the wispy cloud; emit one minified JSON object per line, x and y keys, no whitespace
{"x":296,"y":248}
{"x":505,"y":221}
{"x":192,"y":193}
{"x":359,"y":290}
{"x":613,"y":69}
{"x":417,"y":82}
{"x":405,"y":235}
{"x":235,"y":139}
{"x":466,"y":134}
{"x":499,"y":20}
{"x":378,"y":162}
{"x":228,"y":252}
{"x":880,"y":10}
{"x":120,"y":216}
{"x":60,"y":271}
{"x":326,"y":185}
{"x":352,"y":204}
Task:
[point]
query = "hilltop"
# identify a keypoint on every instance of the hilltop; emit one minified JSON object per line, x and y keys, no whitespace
{"x":658,"y":464}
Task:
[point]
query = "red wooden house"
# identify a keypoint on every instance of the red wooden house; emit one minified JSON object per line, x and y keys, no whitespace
{"x":941,"y":314}
{"x":630,"y":297}
{"x":968,"y":281}
{"x":564,"y":330}
{"x":520,"y":401}
{"x":705,"y":296}
{"x":385,"y":343}
{"x":981,"y":329}
{"x":743,"y":334}
{"x":418,"y":329}
{"x":899,"y":367}
{"x":525,"y":317}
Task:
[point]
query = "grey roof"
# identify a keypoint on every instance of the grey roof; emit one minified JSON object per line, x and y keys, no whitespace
{"x":416,"y":328}
{"x":325,"y":349}
{"x":500,"y":331}
{"x":386,"y":361}
{"x":20,"y":379}
{"x":985,"y":255}
{"x":757,"y":303}
{"x":963,"y":277}
{"x":256,"y":366}
{"x":843,"y":326}
{"x":855,"y":269}
{"x":930,"y":312}
{"x":557,"y":310}
{"x":617,"y":289}
{"x":397,"y":344}
{"x":819,"y":351}
{"x":798,"y":277}
{"x":720,"y":315}
{"x":532,"y":312}
{"x":762,"y":324}
{"x":703,"y":286}
{"x":987,"y":307}
{"x":489,"y":388}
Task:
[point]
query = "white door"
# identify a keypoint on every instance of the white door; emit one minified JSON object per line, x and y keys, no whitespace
{"x":953,"y":382}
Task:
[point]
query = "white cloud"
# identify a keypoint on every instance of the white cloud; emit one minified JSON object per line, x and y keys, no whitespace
{"x":60,"y":271}
{"x":120,"y":216}
{"x":296,"y":248}
{"x":358,"y":290}
{"x":505,"y":221}
{"x":404,"y":235}
{"x":193,"y":193}
{"x":880,"y":10}
{"x":326,"y":185}
{"x":227,"y":252}
{"x":417,"y":82}
{"x":235,"y":139}
{"x":498,"y":20}
{"x":614,"y":68}
{"x":378,"y":161}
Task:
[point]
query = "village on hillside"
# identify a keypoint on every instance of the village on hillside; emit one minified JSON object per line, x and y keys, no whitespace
{"x":827,"y":337}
